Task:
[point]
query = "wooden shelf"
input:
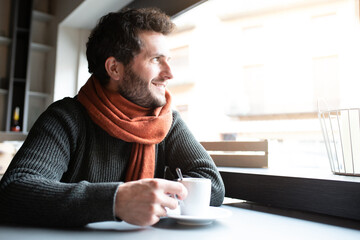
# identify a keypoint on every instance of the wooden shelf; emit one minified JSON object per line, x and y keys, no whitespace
{"x":3,"y":91}
{"x":41,"y":16}
{"x":23,"y":30}
{"x":5,"y":40}
{"x":40,"y":47}
{"x":19,"y":80}
{"x":38,"y":94}
{"x":12,"y":136}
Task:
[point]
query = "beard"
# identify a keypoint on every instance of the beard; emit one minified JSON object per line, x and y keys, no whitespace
{"x":137,"y":90}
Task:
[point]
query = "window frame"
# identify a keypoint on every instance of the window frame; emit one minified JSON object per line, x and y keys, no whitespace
{"x":327,"y":194}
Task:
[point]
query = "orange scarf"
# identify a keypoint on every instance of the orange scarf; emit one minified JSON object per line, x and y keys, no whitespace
{"x":125,"y":120}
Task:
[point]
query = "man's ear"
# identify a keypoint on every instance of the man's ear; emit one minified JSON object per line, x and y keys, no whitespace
{"x":114,"y":68}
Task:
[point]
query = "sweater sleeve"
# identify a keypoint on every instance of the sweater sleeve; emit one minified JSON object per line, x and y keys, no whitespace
{"x":31,"y":191}
{"x":185,"y":152}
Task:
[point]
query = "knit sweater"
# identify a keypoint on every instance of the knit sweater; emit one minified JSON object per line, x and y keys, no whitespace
{"x":68,"y":170}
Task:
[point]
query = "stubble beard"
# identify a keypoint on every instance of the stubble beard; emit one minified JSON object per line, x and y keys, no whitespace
{"x":136,"y":90}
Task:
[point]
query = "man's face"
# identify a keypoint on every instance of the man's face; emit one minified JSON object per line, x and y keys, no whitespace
{"x":146,"y":77}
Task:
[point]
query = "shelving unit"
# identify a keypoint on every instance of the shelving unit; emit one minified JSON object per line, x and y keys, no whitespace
{"x":24,"y":48}
{"x":18,"y":62}
{"x":5,"y":42}
{"x":39,"y":92}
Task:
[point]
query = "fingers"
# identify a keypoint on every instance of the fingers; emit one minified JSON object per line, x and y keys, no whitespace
{"x":164,"y":190}
{"x":161,"y":211}
{"x":168,"y":190}
{"x":157,"y":214}
{"x":173,"y":188}
{"x":152,"y":216}
{"x":143,"y":202}
{"x":169,"y":201}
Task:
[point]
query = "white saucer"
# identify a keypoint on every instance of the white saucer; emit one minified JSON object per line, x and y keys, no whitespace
{"x":213,"y":214}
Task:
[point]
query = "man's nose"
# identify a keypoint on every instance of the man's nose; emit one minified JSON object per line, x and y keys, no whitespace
{"x":166,"y":72}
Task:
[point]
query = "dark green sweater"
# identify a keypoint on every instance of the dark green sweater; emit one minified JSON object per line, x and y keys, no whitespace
{"x":68,"y":169}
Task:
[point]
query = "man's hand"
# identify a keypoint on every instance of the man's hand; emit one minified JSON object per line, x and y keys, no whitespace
{"x":143,"y":202}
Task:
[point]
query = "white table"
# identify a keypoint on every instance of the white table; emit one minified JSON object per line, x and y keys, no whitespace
{"x":248,"y":221}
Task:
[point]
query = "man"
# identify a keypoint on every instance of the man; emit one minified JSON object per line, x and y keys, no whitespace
{"x":102,"y":155}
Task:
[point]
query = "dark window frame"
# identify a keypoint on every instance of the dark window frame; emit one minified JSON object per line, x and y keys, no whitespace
{"x":330,"y":194}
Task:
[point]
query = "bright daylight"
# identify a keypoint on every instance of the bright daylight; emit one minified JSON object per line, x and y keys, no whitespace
{"x":262,"y":69}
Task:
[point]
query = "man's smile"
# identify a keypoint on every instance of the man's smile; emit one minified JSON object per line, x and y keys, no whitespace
{"x":160,"y":84}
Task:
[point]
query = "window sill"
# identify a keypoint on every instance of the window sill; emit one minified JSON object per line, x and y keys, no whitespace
{"x":305,"y":189}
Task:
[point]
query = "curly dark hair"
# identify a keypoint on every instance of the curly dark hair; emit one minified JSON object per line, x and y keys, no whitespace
{"x":116,"y":35}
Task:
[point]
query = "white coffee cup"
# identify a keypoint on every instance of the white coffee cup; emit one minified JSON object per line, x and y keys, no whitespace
{"x":197,"y":201}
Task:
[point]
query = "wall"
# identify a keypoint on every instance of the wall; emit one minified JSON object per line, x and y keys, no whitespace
{"x":63,"y":40}
{"x":66,"y":63}
{"x":70,"y":62}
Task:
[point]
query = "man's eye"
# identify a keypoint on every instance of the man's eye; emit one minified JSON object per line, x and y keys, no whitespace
{"x":156,"y":59}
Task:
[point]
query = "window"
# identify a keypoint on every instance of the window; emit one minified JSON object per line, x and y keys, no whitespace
{"x":326,"y":81}
{"x":262,"y":68}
